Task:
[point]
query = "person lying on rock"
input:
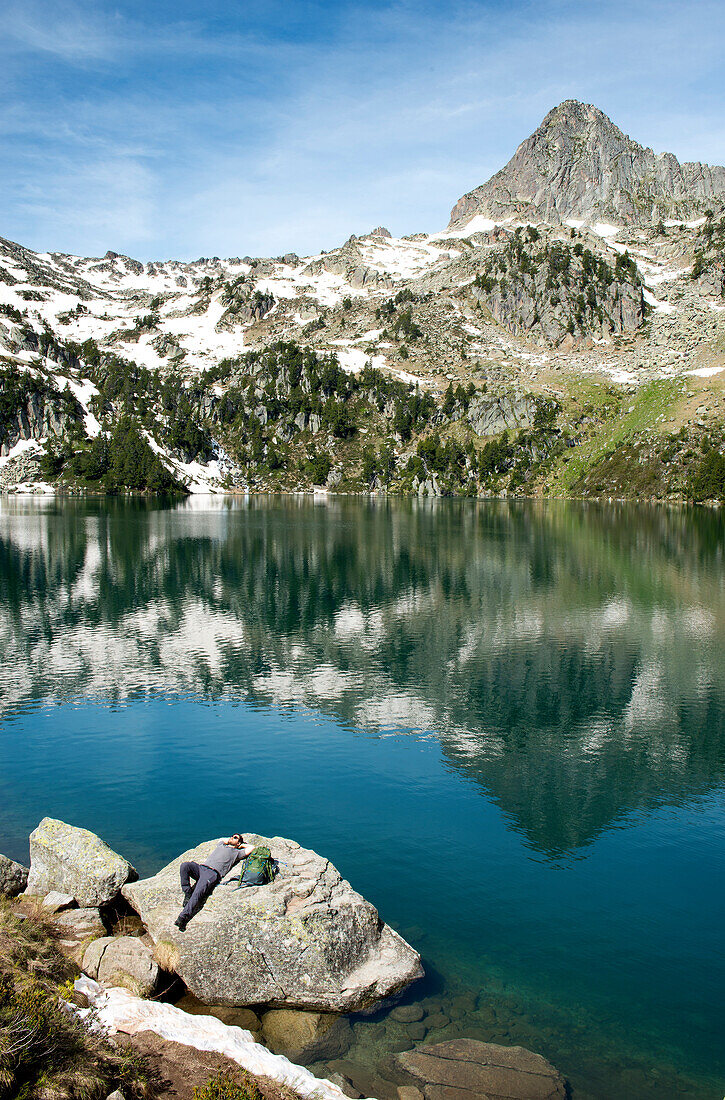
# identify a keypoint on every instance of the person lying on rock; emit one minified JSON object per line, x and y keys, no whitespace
{"x":208,"y":875}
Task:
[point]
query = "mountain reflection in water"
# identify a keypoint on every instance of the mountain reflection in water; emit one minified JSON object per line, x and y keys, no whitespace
{"x":568,"y":658}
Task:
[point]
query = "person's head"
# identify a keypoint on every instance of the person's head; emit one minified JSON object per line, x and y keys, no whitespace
{"x":237,"y":840}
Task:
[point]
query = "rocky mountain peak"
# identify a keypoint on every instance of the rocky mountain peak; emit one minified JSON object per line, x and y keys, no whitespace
{"x":579,"y":165}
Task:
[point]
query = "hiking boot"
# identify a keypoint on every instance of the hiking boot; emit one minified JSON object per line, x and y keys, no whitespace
{"x":180,"y":924}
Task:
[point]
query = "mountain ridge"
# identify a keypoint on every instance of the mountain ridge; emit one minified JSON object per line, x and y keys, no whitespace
{"x":579,"y":165}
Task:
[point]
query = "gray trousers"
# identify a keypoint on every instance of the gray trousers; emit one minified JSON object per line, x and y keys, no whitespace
{"x":196,"y":895}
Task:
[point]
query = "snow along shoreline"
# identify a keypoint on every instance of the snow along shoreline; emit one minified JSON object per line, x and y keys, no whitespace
{"x":117,"y":1009}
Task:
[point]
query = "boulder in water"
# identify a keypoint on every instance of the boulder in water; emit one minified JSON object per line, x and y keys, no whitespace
{"x":462,"y":1068}
{"x":306,"y":1036}
{"x":75,"y":861}
{"x":307,"y":940}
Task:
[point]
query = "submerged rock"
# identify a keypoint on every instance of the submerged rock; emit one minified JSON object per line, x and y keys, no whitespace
{"x":346,"y":1085}
{"x":306,"y":1036}
{"x":13,"y":877}
{"x":75,"y":861}
{"x":462,"y":1068}
{"x":307,"y":940}
{"x":407,"y":1014}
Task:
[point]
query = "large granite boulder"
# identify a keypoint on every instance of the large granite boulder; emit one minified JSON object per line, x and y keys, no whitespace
{"x":307,"y":940}
{"x":75,"y":861}
{"x":13,"y":877}
{"x":122,"y":961}
{"x":466,"y":1069}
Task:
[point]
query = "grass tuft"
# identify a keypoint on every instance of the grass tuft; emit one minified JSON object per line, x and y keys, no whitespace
{"x":166,"y":954}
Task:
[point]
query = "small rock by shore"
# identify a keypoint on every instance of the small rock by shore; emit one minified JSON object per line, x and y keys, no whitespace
{"x":13,"y":877}
{"x":306,"y":1036}
{"x":122,"y":961}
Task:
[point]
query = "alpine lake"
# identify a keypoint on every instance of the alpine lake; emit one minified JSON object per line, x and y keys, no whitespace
{"x":504,"y":722}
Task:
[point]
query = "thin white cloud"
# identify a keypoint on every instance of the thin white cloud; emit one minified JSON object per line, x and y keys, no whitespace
{"x":103,"y":202}
{"x":80,"y":31}
{"x":64,"y":31}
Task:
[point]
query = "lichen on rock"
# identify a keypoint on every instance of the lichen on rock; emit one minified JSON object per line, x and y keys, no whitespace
{"x":122,"y":961}
{"x":75,"y":861}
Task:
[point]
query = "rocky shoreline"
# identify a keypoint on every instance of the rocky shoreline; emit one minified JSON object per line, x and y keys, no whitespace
{"x":269,"y":969}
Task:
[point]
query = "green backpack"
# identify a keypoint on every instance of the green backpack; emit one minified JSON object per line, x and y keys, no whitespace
{"x":258,"y":868}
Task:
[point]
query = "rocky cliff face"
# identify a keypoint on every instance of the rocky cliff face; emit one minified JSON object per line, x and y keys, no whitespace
{"x":579,"y":165}
{"x":33,"y":408}
{"x":708,"y":268}
{"x":548,"y":290}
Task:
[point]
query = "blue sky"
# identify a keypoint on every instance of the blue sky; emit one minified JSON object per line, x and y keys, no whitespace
{"x":234,"y":127}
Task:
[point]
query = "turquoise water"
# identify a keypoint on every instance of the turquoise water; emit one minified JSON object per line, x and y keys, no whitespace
{"x":524,"y":703}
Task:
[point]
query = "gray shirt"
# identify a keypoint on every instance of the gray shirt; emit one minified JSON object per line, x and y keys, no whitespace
{"x":222,"y":859}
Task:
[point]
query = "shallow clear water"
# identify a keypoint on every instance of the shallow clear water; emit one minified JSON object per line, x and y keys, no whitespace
{"x":521,"y":705}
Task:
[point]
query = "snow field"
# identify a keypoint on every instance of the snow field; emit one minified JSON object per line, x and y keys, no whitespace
{"x":118,"y":1010}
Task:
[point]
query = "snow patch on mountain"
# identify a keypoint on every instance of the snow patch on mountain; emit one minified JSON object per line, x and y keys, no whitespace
{"x":401,"y":258}
{"x":83,"y":391}
{"x":23,"y":446}
{"x":354,"y":360}
{"x":476,"y":224}
{"x":198,"y":477}
{"x":656,"y":303}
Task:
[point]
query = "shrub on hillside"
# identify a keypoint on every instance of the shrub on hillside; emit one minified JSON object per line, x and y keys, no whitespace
{"x":222,"y":1086}
{"x":318,"y":468}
